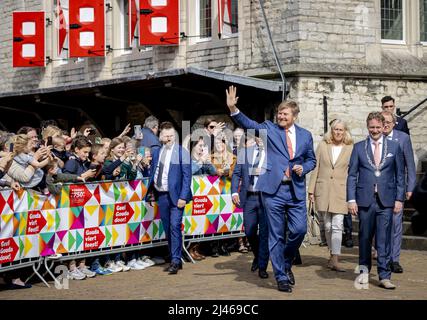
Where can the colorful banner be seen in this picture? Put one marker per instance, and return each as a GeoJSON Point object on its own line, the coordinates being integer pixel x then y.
{"type": "Point", "coordinates": [102, 215]}
{"type": "Point", "coordinates": [212, 210]}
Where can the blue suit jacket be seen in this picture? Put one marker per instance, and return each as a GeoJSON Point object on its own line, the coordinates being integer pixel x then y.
{"type": "Point", "coordinates": [404, 141]}
{"type": "Point", "coordinates": [241, 174]}
{"type": "Point", "coordinates": [179, 176]}
{"type": "Point", "coordinates": [361, 178]}
{"type": "Point", "coordinates": [149, 139]}
{"type": "Point", "coordinates": [401, 125]}
{"type": "Point", "coordinates": [278, 156]}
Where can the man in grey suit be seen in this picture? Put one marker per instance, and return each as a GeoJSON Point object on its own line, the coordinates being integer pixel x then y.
{"type": "Point", "coordinates": [404, 141]}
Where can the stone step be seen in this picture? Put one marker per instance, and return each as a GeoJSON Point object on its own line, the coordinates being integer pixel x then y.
{"type": "Point", "coordinates": [408, 242]}
{"type": "Point", "coordinates": [406, 228]}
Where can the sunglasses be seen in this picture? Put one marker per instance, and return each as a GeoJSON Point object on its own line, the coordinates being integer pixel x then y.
{"type": "Point", "coordinates": [212, 127]}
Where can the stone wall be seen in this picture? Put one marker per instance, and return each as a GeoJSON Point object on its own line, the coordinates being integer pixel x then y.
{"type": "Point", "coordinates": [352, 99]}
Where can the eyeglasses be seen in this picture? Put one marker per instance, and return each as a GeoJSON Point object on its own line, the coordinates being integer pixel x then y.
{"type": "Point", "coordinates": [388, 122]}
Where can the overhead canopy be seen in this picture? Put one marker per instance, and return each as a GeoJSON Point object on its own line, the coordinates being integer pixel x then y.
{"type": "Point", "coordinates": [174, 95]}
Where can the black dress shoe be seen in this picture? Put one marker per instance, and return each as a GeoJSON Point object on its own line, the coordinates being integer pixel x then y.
{"type": "Point", "coordinates": [262, 274]}
{"type": "Point", "coordinates": [174, 267]}
{"type": "Point", "coordinates": [223, 251]}
{"type": "Point", "coordinates": [396, 267]}
{"type": "Point", "coordinates": [14, 286]}
{"type": "Point", "coordinates": [284, 286]}
{"type": "Point", "coordinates": [254, 266]}
{"type": "Point", "coordinates": [291, 277]}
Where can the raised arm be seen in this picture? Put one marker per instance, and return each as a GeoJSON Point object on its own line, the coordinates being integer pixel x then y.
{"type": "Point", "coordinates": [241, 119]}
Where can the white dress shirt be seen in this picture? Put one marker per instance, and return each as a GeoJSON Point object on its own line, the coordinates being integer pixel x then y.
{"type": "Point", "coordinates": [166, 167]}
{"type": "Point", "coordinates": [336, 151]}
{"type": "Point", "coordinates": [253, 188]}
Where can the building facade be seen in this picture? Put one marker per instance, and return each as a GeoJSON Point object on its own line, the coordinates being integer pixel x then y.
{"type": "Point", "coordinates": [349, 53]}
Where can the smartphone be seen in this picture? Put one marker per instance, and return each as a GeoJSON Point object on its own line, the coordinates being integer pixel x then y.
{"type": "Point", "coordinates": [137, 131]}
{"type": "Point", "coordinates": [141, 151]}
{"type": "Point", "coordinates": [49, 141]}
{"type": "Point", "coordinates": [11, 147]}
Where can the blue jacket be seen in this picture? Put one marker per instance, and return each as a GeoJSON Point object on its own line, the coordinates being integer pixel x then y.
{"type": "Point", "coordinates": [404, 141]}
{"type": "Point", "coordinates": [150, 140]}
{"type": "Point", "coordinates": [75, 166]}
{"type": "Point", "coordinates": [361, 176]}
{"type": "Point", "coordinates": [278, 155]}
{"type": "Point", "coordinates": [179, 177]}
{"type": "Point", "coordinates": [241, 174]}
{"type": "Point", "coordinates": [401, 125]}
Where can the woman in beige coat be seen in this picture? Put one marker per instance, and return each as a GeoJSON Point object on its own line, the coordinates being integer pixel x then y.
{"type": "Point", "coordinates": [327, 187]}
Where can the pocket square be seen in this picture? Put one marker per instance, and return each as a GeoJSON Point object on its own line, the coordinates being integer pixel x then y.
{"type": "Point", "coordinates": [389, 155]}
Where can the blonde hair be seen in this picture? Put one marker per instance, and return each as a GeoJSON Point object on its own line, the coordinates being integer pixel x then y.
{"type": "Point", "coordinates": [51, 131]}
{"type": "Point", "coordinates": [58, 140]}
{"type": "Point", "coordinates": [20, 142]}
{"type": "Point", "coordinates": [347, 136]}
{"type": "Point", "coordinates": [289, 104]}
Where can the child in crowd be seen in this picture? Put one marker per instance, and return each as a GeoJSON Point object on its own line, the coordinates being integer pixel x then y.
{"type": "Point", "coordinates": [97, 158]}
{"type": "Point", "coordinates": [55, 179]}
{"type": "Point", "coordinates": [59, 150]}
{"type": "Point", "coordinates": [119, 152]}
{"type": "Point", "coordinates": [79, 160]}
{"type": "Point", "coordinates": [22, 160]}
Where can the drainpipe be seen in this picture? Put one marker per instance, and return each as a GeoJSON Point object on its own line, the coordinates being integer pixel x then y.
{"type": "Point", "coordinates": [325, 115]}
{"type": "Point", "coordinates": [261, 2]}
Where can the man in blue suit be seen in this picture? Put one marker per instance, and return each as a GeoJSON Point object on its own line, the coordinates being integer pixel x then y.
{"type": "Point", "coordinates": [375, 189]}
{"type": "Point", "coordinates": [171, 178]}
{"type": "Point", "coordinates": [149, 134]}
{"type": "Point", "coordinates": [290, 157]}
{"type": "Point", "coordinates": [245, 195]}
{"type": "Point", "coordinates": [405, 144]}
{"type": "Point", "coordinates": [387, 104]}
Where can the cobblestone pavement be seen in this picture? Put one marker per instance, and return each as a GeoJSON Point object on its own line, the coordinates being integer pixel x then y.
{"type": "Point", "coordinates": [231, 278]}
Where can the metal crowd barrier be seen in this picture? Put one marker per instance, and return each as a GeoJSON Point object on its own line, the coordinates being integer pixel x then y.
{"type": "Point", "coordinates": [48, 261]}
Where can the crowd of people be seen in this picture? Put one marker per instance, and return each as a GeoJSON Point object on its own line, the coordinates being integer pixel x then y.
{"type": "Point", "coordinates": [267, 164]}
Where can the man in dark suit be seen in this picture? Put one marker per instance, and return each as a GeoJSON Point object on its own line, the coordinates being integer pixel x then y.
{"type": "Point", "coordinates": [171, 178]}
{"type": "Point", "coordinates": [375, 189]}
{"type": "Point", "coordinates": [149, 133]}
{"type": "Point", "coordinates": [245, 195]}
{"type": "Point", "coordinates": [290, 157]}
{"type": "Point", "coordinates": [405, 144]}
{"type": "Point", "coordinates": [387, 104]}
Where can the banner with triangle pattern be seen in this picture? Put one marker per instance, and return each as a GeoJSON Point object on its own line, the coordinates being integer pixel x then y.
{"type": "Point", "coordinates": [212, 210]}
{"type": "Point", "coordinates": [107, 214]}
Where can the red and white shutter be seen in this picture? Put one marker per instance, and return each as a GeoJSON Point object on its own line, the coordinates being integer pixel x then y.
{"type": "Point", "coordinates": [62, 27]}
{"type": "Point", "coordinates": [29, 39]}
{"type": "Point", "coordinates": [224, 18]}
{"type": "Point", "coordinates": [158, 22]}
{"type": "Point", "coordinates": [87, 28]}
{"type": "Point", "coordinates": [133, 21]}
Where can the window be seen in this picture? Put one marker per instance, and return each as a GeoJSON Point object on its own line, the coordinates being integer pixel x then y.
{"type": "Point", "coordinates": [205, 18]}
{"type": "Point", "coordinates": [423, 20]}
{"type": "Point", "coordinates": [227, 10]}
{"type": "Point", "coordinates": [392, 20]}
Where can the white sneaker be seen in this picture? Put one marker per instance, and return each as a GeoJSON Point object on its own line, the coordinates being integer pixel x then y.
{"type": "Point", "coordinates": [148, 261]}
{"type": "Point", "coordinates": [85, 270]}
{"type": "Point", "coordinates": [76, 274]}
{"type": "Point", "coordinates": [158, 260]}
{"type": "Point", "coordinates": [111, 266]}
{"type": "Point", "coordinates": [134, 265]}
{"type": "Point", "coordinates": [122, 264]}
{"type": "Point", "coordinates": [143, 263]}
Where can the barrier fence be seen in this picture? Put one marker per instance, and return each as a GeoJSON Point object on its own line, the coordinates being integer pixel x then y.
{"type": "Point", "coordinates": [106, 217]}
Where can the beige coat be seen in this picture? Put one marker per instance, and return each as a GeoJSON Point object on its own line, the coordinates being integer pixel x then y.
{"type": "Point", "coordinates": [328, 181]}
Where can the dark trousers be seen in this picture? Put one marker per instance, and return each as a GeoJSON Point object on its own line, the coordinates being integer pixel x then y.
{"type": "Point", "coordinates": [254, 217]}
{"type": "Point", "coordinates": [171, 217]}
{"type": "Point", "coordinates": [348, 225]}
{"type": "Point", "coordinates": [284, 208]}
{"type": "Point", "coordinates": [376, 220]}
